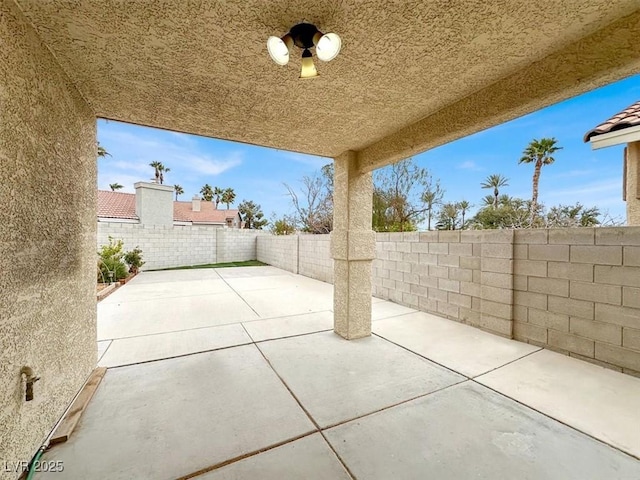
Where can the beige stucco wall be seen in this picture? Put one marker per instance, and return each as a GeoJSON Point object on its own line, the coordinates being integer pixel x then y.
{"type": "Point", "coordinates": [632, 176]}
{"type": "Point", "coordinates": [47, 237]}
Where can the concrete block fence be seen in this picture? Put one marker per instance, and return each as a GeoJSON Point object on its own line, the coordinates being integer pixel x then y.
{"type": "Point", "coordinates": [578, 291]}
{"type": "Point", "coordinates": [575, 291]}
{"type": "Point", "coordinates": [465, 276]}
{"type": "Point", "coordinates": [176, 246]}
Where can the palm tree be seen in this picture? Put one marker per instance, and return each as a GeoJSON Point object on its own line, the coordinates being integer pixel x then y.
{"type": "Point", "coordinates": [179, 191]}
{"type": "Point", "coordinates": [539, 153]}
{"type": "Point", "coordinates": [207, 192]}
{"type": "Point", "coordinates": [115, 186]}
{"type": "Point", "coordinates": [102, 152]}
{"type": "Point", "coordinates": [228, 196]}
{"type": "Point", "coordinates": [488, 200]}
{"type": "Point", "coordinates": [252, 214]}
{"type": "Point", "coordinates": [160, 170]}
{"type": "Point", "coordinates": [464, 207]}
{"type": "Point", "coordinates": [217, 193]}
{"type": "Point", "coordinates": [432, 197]}
{"type": "Point", "coordinates": [448, 216]}
{"type": "Point", "coordinates": [495, 181]}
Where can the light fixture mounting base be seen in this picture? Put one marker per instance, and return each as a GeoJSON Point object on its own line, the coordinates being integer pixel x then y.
{"type": "Point", "coordinates": [303, 35]}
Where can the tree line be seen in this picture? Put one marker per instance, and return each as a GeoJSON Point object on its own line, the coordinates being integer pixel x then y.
{"type": "Point", "coordinates": [406, 197]}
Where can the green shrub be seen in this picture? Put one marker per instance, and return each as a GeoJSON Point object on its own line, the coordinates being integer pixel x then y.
{"type": "Point", "coordinates": [111, 266]}
{"type": "Point", "coordinates": [133, 258]}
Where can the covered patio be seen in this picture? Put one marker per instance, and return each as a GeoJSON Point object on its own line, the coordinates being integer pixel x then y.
{"type": "Point", "coordinates": [411, 76]}
{"type": "Point", "coordinates": [236, 373]}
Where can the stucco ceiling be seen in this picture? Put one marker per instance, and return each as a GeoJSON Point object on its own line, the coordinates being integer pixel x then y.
{"type": "Point", "coordinates": [407, 68]}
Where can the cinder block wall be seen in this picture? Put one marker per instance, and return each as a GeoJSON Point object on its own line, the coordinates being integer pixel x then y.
{"type": "Point", "coordinates": [314, 257]}
{"type": "Point", "coordinates": [234, 245]}
{"type": "Point", "coordinates": [164, 246]}
{"type": "Point", "coordinates": [465, 276]}
{"type": "Point", "coordinates": [578, 292]}
{"type": "Point", "coordinates": [279, 251]}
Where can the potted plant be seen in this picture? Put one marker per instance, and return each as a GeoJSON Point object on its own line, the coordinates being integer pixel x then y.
{"type": "Point", "coordinates": [133, 258]}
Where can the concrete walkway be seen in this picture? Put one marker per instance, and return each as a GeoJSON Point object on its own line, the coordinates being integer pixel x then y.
{"type": "Point", "coordinates": [236, 374]}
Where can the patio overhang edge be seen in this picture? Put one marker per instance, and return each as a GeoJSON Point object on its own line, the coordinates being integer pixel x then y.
{"type": "Point", "coordinates": [610, 54]}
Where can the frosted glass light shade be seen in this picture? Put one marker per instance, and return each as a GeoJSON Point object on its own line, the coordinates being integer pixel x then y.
{"type": "Point", "coordinates": [328, 47]}
{"type": "Point", "coordinates": [278, 50]}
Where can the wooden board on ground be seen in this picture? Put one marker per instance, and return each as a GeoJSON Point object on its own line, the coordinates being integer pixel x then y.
{"type": "Point", "coordinates": [71, 419]}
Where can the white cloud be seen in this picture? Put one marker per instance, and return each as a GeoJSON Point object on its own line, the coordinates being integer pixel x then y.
{"type": "Point", "coordinates": [129, 166]}
{"type": "Point", "coordinates": [603, 186]}
{"type": "Point", "coordinates": [125, 180]}
{"type": "Point", "coordinates": [469, 165]}
{"type": "Point", "coordinates": [133, 151]}
{"type": "Point", "coordinates": [209, 166]}
{"type": "Point", "coordinates": [604, 194]}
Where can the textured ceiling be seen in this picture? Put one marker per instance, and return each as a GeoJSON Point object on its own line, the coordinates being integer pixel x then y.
{"type": "Point", "coordinates": [202, 66]}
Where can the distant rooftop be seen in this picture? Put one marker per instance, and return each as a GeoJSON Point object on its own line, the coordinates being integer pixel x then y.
{"type": "Point", "coordinates": [629, 117]}
{"type": "Point", "coordinates": [123, 206]}
{"type": "Point", "coordinates": [116, 205]}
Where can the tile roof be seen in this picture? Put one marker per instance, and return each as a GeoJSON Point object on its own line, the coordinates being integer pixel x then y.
{"type": "Point", "coordinates": [208, 213]}
{"type": "Point", "coordinates": [123, 206]}
{"type": "Point", "coordinates": [629, 117]}
{"type": "Point", "coordinates": [116, 205]}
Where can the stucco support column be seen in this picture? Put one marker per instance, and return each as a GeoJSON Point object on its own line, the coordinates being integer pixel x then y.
{"type": "Point", "coordinates": [47, 238]}
{"type": "Point", "coordinates": [352, 248]}
{"type": "Point", "coordinates": [632, 183]}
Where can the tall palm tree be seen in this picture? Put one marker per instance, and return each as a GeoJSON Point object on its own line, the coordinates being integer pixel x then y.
{"type": "Point", "coordinates": [179, 191]}
{"type": "Point", "coordinates": [160, 170]}
{"type": "Point", "coordinates": [538, 152]}
{"type": "Point", "coordinates": [115, 186]}
{"type": "Point", "coordinates": [102, 152]}
{"type": "Point", "coordinates": [217, 193]}
{"type": "Point", "coordinates": [431, 197]}
{"type": "Point", "coordinates": [228, 196]}
{"type": "Point", "coordinates": [207, 192]}
{"type": "Point", "coordinates": [464, 207]}
{"type": "Point", "coordinates": [495, 181]}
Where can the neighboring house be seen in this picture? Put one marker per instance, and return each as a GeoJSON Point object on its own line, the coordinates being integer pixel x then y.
{"type": "Point", "coordinates": [623, 128]}
{"type": "Point", "coordinates": [153, 204]}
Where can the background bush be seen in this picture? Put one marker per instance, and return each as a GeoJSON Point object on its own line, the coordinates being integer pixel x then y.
{"type": "Point", "coordinates": [111, 260]}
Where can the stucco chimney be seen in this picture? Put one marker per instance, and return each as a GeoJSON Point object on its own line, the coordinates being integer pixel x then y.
{"type": "Point", "coordinates": [195, 203]}
{"type": "Point", "coordinates": [154, 203]}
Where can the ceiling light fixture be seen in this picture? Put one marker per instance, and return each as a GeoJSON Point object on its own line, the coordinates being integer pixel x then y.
{"type": "Point", "coordinates": [305, 36]}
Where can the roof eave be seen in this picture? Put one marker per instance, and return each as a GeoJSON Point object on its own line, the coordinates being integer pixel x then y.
{"type": "Point", "coordinates": [617, 137]}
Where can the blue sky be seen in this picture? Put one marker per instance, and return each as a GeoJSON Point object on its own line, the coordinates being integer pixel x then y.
{"type": "Point", "coordinates": [593, 178]}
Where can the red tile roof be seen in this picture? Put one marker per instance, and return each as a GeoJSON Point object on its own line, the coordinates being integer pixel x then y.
{"type": "Point", "coordinates": [182, 212]}
{"type": "Point", "coordinates": [123, 206]}
{"type": "Point", "coordinates": [116, 205]}
{"type": "Point", "coordinates": [629, 117]}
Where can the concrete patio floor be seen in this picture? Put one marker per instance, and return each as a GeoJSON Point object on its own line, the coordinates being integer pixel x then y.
{"type": "Point", "coordinates": [236, 374]}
